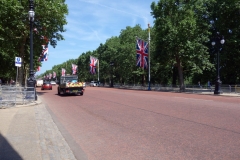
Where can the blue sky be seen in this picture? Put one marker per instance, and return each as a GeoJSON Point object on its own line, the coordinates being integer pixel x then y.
{"type": "Point", "coordinates": [91, 22]}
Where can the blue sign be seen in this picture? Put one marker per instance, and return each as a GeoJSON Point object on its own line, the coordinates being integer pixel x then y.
{"type": "Point", "coordinates": [18, 61]}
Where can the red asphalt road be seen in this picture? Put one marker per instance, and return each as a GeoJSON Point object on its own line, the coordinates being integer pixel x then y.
{"type": "Point", "coordinates": [117, 124]}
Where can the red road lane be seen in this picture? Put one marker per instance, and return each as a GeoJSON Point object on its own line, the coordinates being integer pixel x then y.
{"type": "Point", "coordinates": [117, 124]}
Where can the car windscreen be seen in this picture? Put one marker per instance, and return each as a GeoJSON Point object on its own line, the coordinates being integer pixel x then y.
{"type": "Point", "coordinates": [69, 79]}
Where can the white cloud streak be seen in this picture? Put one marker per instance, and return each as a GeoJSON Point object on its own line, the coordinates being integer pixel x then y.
{"type": "Point", "coordinates": [91, 22]}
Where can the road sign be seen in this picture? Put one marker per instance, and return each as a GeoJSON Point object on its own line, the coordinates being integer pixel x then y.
{"type": "Point", "coordinates": [18, 61]}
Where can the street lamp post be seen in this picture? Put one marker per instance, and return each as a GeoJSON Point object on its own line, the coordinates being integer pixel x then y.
{"type": "Point", "coordinates": [217, 42]}
{"type": "Point", "coordinates": [31, 79]}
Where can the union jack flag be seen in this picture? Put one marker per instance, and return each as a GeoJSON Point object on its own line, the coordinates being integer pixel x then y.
{"type": "Point", "coordinates": [44, 49]}
{"type": "Point", "coordinates": [142, 53]}
{"type": "Point", "coordinates": [74, 68]}
{"type": "Point", "coordinates": [93, 62]}
{"type": "Point", "coordinates": [54, 74]}
{"type": "Point", "coordinates": [44, 58]}
{"type": "Point", "coordinates": [38, 69]}
{"type": "Point", "coordinates": [44, 54]}
{"type": "Point", "coordinates": [50, 75]}
{"type": "Point", "coordinates": [45, 39]}
{"type": "Point", "coordinates": [35, 30]}
{"type": "Point", "coordinates": [63, 72]}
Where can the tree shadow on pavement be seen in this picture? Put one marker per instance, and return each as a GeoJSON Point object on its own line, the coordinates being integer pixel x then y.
{"type": "Point", "coordinates": [7, 152]}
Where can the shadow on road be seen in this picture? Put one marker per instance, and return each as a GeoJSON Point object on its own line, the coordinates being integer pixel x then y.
{"type": "Point", "coordinates": [41, 93]}
{"type": "Point", "coordinates": [7, 152]}
{"type": "Point", "coordinates": [67, 95]}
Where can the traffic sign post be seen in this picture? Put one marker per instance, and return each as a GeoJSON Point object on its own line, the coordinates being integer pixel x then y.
{"type": "Point", "coordinates": [18, 63]}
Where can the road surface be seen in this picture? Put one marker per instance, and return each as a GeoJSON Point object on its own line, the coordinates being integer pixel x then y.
{"type": "Point", "coordinates": [118, 124]}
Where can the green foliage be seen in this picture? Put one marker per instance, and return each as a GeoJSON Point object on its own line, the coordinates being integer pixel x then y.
{"type": "Point", "coordinates": [181, 33]}
{"type": "Point", "coordinates": [14, 31]}
{"type": "Point", "coordinates": [180, 47]}
{"type": "Point", "coordinates": [225, 17]}
{"type": "Point", "coordinates": [10, 32]}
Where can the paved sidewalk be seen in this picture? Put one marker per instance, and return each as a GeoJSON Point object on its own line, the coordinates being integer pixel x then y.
{"type": "Point", "coordinates": [222, 94]}
{"type": "Point", "coordinates": [29, 133]}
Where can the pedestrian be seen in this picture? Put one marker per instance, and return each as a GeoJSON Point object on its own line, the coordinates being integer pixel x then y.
{"type": "Point", "coordinates": [199, 84]}
{"type": "Point", "coordinates": [209, 85]}
{"type": "Point", "coordinates": [0, 82]}
{"type": "Point", "coordinates": [12, 82]}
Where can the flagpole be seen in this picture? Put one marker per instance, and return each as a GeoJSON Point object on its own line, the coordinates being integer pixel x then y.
{"type": "Point", "coordinates": [98, 70]}
{"type": "Point", "coordinates": [149, 77]}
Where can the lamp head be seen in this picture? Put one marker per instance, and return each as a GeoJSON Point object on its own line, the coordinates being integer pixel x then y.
{"type": "Point", "coordinates": [31, 15]}
{"type": "Point", "coordinates": [222, 40]}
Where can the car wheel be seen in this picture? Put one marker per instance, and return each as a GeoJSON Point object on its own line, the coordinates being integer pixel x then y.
{"type": "Point", "coordinates": [64, 92]}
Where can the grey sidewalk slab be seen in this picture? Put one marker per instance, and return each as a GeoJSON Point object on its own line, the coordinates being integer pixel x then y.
{"type": "Point", "coordinates": [222, 94]}
{"type": "Point", "coordinates": [19, 134]}
{"type": "Point", "coordinates": [28, 132]}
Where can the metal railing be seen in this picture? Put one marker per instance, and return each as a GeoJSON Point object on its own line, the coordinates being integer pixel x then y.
{"type": "Point", "coordinates": [231, 89]}
{"type": "Point", "coordinates": [234, 89]}
{"type": "Point", "coordinates": [11, 95]}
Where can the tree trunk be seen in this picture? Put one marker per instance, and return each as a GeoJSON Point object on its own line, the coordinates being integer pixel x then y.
{"type": "Point", "coordinates": [121, 81]}
{"type": "Point", "coordinates": [180, 74]}
{"type": "Point", "coordinates": [25, 77]}
{"type": "Point", "coordinates": [21, 77]}
{"type": "Point", "coordinates": [174, 76]}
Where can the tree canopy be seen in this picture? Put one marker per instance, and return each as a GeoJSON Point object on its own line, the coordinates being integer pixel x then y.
{"type": "Point", "coordinates": [50, 18]}
{"type": "Point", "coordinates": [181, 36]}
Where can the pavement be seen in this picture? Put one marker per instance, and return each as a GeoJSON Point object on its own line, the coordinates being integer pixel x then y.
{"type": "Point", "coordinates": [28, 132]}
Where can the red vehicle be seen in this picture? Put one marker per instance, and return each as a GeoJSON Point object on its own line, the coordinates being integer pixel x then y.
{"type": "Point", "coordinates": [46, 85]}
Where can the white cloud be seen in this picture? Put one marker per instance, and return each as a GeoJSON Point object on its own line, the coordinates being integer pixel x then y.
{"type": "Point", "coordinates": [91, 22]}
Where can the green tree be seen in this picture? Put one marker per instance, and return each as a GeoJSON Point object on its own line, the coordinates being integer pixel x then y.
{"type": "Point", "coordinates": [106, 54]}
{"type": "Point", "coordinates": [103, 62]}
{"type": "Point", "coordinates": [181, 34]}
{"type": "Point", "coordinates": [14, 31]}
{"type": "Point", "coordinates": [127, 54]}
{"type": "Point", "coordinates": [225, 20]}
